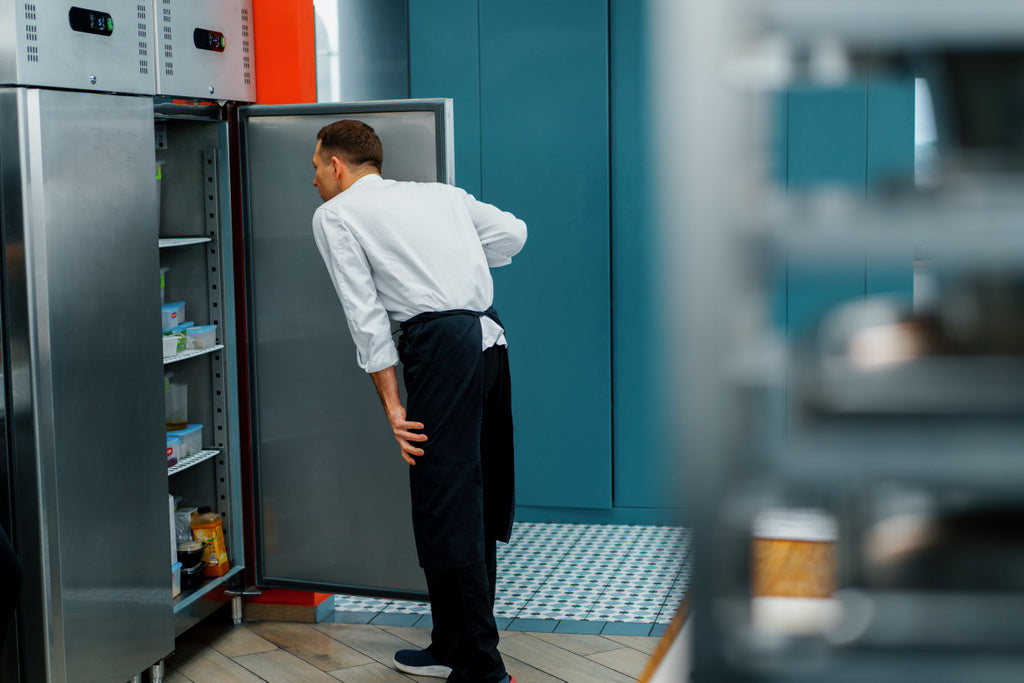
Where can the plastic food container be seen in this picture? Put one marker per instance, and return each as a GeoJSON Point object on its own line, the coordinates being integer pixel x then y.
{"type": "Point", "coordinates": [191, 439]}
{"type": "Point", "coordinates": [209, 529]}
{"type": "Point", "coordinates": [175, 579]}
{"type": "Point", "coordinates": [176, 408]}
{"type": "Point", "coordinates": [175, 342]}
{"type": "Point", "coordinates": [183, 523]}
{"type": "Point", "coordinates": [201, 336]}
{"type": "Point", "coordinates": [170, 344]}
{"type": "Point", "coordinates": [174, 451]}
{"type": "Point", "coordinates": [172, 315]}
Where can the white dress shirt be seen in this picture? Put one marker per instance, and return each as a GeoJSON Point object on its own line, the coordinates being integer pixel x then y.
{"type": "Point", "coordinates": [396, 249]}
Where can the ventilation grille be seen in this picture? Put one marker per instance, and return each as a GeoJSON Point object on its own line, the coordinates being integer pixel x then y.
{"type": "Point", "coordinates": [31, 33]}
{"type": "Point", "coordinates": [246, 60]}
{"type": "Point", "coordinates": [168, 38]}
{"type": "Point", "coordinates": [143, 39]}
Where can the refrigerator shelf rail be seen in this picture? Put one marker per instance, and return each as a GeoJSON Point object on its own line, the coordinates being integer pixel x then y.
{"type": "Point", "coordinates": [185, 600]}
{"type": "Point", "coordinates": [192, 460]}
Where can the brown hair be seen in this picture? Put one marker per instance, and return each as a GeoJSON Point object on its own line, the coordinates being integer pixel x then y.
{"type": "Point", "coordinates": [353, 142]}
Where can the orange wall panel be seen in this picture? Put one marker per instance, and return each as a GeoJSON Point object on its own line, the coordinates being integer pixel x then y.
{"type": "Point", "coordinates": [285, 48]}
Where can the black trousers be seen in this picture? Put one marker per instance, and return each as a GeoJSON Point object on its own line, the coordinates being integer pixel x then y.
{"type": "Point", "coordinates": [465, 636]}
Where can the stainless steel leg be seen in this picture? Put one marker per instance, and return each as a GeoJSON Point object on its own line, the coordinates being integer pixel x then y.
{"type": "Point", "coordinates": [236, 610]}
{"type": "Point", "coordinates": [137, 678]}
{"type": "Point", "coordinates": [156, 672]}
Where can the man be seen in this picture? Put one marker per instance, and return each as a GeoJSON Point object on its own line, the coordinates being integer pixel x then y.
{"type": "Point", "coordinates": [419, 253]}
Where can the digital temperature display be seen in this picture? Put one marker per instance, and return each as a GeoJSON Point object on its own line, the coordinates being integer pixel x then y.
{"type": "Point", "coordinates": [90, 21]}
{"type": "Point", "coordinates": [209, 40]}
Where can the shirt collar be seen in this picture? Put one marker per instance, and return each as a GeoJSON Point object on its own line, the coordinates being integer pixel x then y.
{"type": "Point", "coordinates": [366, 180]}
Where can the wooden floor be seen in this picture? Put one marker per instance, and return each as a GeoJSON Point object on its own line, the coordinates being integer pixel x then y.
{"type": "Point", "coordinates": [285, 652]}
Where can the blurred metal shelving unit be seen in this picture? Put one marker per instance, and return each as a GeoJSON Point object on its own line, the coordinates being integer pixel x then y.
{"type": "Point", "coordinates": [906, 431]}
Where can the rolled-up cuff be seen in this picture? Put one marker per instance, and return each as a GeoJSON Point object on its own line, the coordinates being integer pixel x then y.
{"type": "Point", "coordinates": [381, 360]}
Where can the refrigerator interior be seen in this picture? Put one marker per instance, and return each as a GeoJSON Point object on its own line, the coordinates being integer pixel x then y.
{"type": "Point", "coordinates": [195, 259]}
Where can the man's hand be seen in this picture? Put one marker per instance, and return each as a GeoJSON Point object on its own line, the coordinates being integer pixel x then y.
{"type": "Point", "coordinates": [404, 433]}
{"type": "Point", "coordinates": [386, 382]}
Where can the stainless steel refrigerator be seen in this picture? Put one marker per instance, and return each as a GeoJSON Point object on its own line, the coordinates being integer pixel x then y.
{"type": "Point", "coordinates": [296, 449]}
{"type": "Point", "coordinates": [83, 224]}
{"type": "Point", "coordinates": [85, 500]}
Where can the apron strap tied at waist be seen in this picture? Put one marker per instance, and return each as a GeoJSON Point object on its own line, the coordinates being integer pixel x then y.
{"type": "Point", "coordinates": [428, 316]}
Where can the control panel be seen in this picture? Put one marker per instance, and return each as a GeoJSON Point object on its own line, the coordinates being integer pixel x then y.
{"type": "Point", "coordinates": [205, 50]}
{"type": "Point", "coordinates": [105, 45]}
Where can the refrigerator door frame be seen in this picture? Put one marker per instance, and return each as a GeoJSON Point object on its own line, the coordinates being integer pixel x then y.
{"type": "Point", "coordinates": [442, 109]}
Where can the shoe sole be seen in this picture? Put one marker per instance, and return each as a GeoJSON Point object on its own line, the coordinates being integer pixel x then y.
{"type": "Point", "coordinates": [436, 671]}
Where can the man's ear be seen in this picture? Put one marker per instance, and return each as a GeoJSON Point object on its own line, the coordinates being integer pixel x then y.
{"type": "Point", "coordinates": [337, 165]}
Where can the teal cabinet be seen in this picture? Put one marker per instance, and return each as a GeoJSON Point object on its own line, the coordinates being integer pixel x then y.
{"type": "Point", "coordinates": [531, 113]}
{"type": "Point", "coordinates": [646, 467]}
{"type": "Point", "coordinates": [544, 155]}
{"type": "Point", "coordinates": [859, 137]}
{"type": "Point", "coordinates": [444, 61]}
{"type": "Point", "coordinates": [890, 161]}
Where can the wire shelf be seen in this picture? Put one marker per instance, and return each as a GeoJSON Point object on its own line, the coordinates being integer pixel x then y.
{"type": "Point", "coordinates": [166, 242]}
{"type": "Point", "coordinates": [192, 460]}
{"type": "Point", "coordinates": [191, 353]}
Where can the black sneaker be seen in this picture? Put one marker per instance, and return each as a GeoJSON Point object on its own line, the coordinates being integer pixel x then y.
{"type": "Point", "coordinates": [420, 663]}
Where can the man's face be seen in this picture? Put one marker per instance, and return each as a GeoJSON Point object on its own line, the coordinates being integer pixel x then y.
{"type": "Point", "coordinates": [324, 180]}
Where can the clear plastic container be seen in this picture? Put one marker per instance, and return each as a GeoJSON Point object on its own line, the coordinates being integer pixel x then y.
{"type": "Point", "coordinates": [175, 406]}
{"type": "Point", "coordinates": [174, 342]}
{"type": "Point", "coordinates": [174, 450]}
{"type": "Point", "coordinates": [171, 344]}
{"type": "Point", "coordinates": [201, 336]}
{"type": "Point", "coordinates": [191, 438]}
{"type": "Point", "coordinates": [172, 315]}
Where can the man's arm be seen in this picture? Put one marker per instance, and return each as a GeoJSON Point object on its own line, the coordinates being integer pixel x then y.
{"type": "Point", "coordinates": [386, 382]}
{"type": "Point", "coordinates": [501, 234]}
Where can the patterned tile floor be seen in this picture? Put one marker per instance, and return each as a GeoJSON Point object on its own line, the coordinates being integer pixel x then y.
{"type": "Point", "coordinates": [569, 578]}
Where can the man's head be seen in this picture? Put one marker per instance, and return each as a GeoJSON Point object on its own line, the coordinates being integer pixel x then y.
{"type": "Point", "coordinates": [345, 152]}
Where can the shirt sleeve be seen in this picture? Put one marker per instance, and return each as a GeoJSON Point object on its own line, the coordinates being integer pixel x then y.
{"type": "Point", "coordinates": [353, 281]}
{"type": "Point", "coordinates": [501, 234]}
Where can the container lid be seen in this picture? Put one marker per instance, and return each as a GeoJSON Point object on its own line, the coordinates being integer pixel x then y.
{"type": "Point", "coordinates": [189, 429]}
{"type": "Point", "coordinates": [172, 305]}
{"type": "Point", "coordinates": [179, 328]}
{"type": "Point", "coordinates": [201, 328]}
{"type": "Point", "coordinates": [190, 546]}
{"type": "Point", "coordinates": [176, 566]}
{"type": "Point", "coordinates": [172, 439]}
{"type": "Point", "coordinates": [206, 519]}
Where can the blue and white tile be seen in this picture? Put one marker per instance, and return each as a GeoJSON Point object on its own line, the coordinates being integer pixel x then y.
{"type": "Point", "coordinates": [358, 603]}
{"type": "Point", "coordinates": [576, 574]}
{"type": "Point", "coordinates": [409, 607]}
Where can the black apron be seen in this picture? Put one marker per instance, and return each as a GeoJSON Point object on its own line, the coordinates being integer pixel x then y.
{"type": "Point", "coordinates": [461, 493]}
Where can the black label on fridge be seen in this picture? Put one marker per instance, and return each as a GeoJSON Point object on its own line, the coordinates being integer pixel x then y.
{"type": "Point", "coordinates": [90, 21]}
{"type": "Point", "coordinates": [209, 40]}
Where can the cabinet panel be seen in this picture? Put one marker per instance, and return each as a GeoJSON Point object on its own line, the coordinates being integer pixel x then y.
{"type": "Point", "coordinates": [890, 138]}
{"type": "Point", "coordinates": [827, 143]}
{"type": "Point", "coordinates": [827, 137]}
{"type": "Point", "coordinates": [444, 61]}
{"type": "Point", "coordinates": [545, 157]}
{"type": "Point", "coordinates": [645, 466]}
